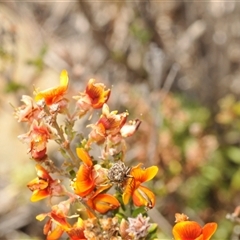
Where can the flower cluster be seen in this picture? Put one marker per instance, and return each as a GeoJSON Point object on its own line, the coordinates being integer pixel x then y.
{"type": "Point", "coordinates": [101, 197]}
{"type": "Point", "coordinates": [104, 197]}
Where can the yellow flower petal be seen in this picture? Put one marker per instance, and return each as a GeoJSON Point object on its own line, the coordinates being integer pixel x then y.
{"type": "Point", "coordinates": [129, 189]}
{"type": "Point", "coordinates": [142, 196]}
{"type": "Point", "coordinates": [64, 78]}
{"type": "Point", "coordinates": [41, 216]}
{"type": "Point", "coordinates": [53, 95]}
{"type": "Point", "coordinates": [144, 175]}
{"type": "Point", "coordinates": [55, 234]}
{"type": "Point", "coordinates": [37, 184]}
{"type": "Point", "coordinates": [84, 156]}
{"type": "Point", "coordinates": [150, 173]}
{"type": "Point", "coordinates": [39, 195]}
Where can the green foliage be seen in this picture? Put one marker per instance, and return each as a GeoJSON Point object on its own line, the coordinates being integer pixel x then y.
{"type": "Point", "coordinates": [152, 232]}
{"type": "Point", "coordinates": [68, 129]}
{"type": "Point", "coordinates": [140, 31]}
{"type": "Point", "coordinates": [224, 228]}
{"type": "Point", "coordinates": [13, 87]}
{"type": "Point", "coordinates": [233, 153]}
{"type": "Point", "coordinates": [138, 211]}
{"type": "Point", "coordinates": [235, 181]}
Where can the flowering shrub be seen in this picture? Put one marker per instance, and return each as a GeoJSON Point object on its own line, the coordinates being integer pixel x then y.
{"type": "Point", "coordinates": [101, 198]}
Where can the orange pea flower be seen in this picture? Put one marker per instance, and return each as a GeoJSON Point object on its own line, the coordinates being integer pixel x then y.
{"type": "Point", "coordinates": [44, 186]}
{"type": "Point", "coordinates": [57, 224]}
{"type": "Point", "coordinates": [37, 139]}
{"type": "Point", "coordinates": [57, 217]}
{"type": "Point", "coordinates": [109, 124]}
{"type": "Point", "coordinates": [89, 176]}
{"type": "Point", "coordinates": [97, 93]}
{"type": "Point", "coordinates": [77, 230]}
{"type": "Point", "coordinates": [142, 196]}
{"type": "Point", "coordinates": [94, 96]}
{"type": "Point", "coordinates": [54, 95]}
{"type": "Point", "coordinates": [102, 202]}
{"type": "Point", "coordinates": [28, 111]}
{"type": "Point", "coordinates": [191, 230]}
{"type": "Point", "coordinates": [85, 182]}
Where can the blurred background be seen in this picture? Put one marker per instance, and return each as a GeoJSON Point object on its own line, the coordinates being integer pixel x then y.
{"type": "Point", "coordinates": [175, 65]}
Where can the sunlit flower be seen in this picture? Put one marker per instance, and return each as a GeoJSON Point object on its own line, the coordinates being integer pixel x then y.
{"type": "Point", "coordinates": [84, 183]}
{"type": "Point", "coordinates": [109, 124]}
{"type": "Point", "coordinates": [54, 95]}
{"type": "Point", "coordinates": [76, 232]}
{"type": "Point", "coordinates": [28, 111]}
{"type": "Point", "coordinates": [97, 93]}
{"type": "Point", "coordinates": [94, 96]}
{"type": "Point", "coordinates": [142, 196]}
{"type": "Point", "coordinates": [57, 223]}
{"type": "Point", "coordinates": [88, 175]}
{"type": "Point", "coordinates": [44, 186]}
{"type": "Point", "coordinates": [102, 202]}
{"type": "Point", "coordinates": [37, 139]}
{"type": "Point", "coordinates": [191, 230]}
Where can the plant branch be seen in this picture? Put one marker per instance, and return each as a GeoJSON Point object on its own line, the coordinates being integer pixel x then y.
{"type": "Point", "coordinates": [64, 142]}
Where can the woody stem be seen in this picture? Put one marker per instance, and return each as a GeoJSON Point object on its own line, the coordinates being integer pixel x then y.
{"type": "Point", "coordinates": [65, 146]}
{"type": "Point", "coordinates": [64, 143]}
